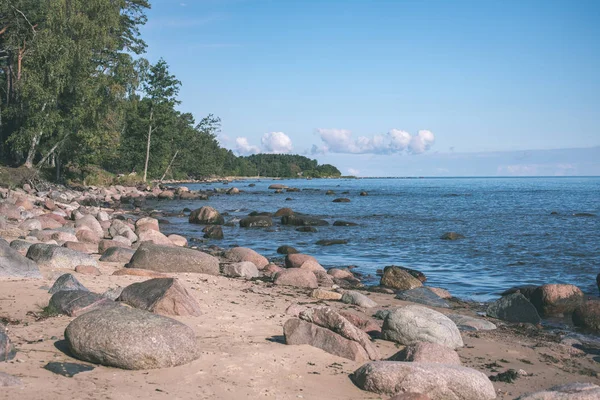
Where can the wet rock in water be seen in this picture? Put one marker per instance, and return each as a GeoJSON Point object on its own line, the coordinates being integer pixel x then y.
{"type": "Point", "coordinates": [292, 190]}
{"type": "Point", "coordinates": [465, 322]}
{"type": "Point", "coordinates": [425, 352]}
{"type": "Point", "coordinates": [363, 193]}
{"type": "Point", "coordinates": [412, 324]}
{"type": "Point", "coordinates": [239, 254]}
{"type": "Point", "coordinates": [77, 302]}
{"type": "Point", "coordinates": [514, 308]}
{"type": "Point", "coordinates": [7, 380]}
{"type": "Point", "coordinates": [322, 294]}
{"type": "Point", "coordinates": [67, 282]}
{"type": "Point", "coordinates": [584, 214]}
{"type": "Point", "coordinates": [398, 278]}
{"type": "Point", "coordinates": [252, 185]}
{"type": "Point", "coordinates": [302, 220]}
{"type": "Point", "coordinates": [213, 232]}
{"type": "Point", "coordinates": [296, 277]}
{"type": "Point", "coordinates": [206, 216]}
{"type": "Point", "coordinates": [14, 264]}
{"type": "Point", "coordinates": [413, 272]}
{"type": "Point", "coordinates": [245, 269]}
{"type": "Point", "coordinates": [232, 191]}
{"type": "Point", "coordinates": [570, 391]}
{"type": "Point", "coordinates": [7, 350]}
{"type": "Point", "coordinates": [277, 186]}
{"type": "Point", "coordinates": [359, 299]}
{"type": "Point", "coordinates": [344, 223]}
{"type": "Point", "coordinates": [296, 260]}
{"type": "Point", "coordinates": [286, 250]}
{"type": "Point", "coordinates": [422, 295]}
{"type": "Point", "coordinates": [587, 315]}
{"type": "Point", "coordinates": [525, 290]}
{"type": "Point", "coordinates": [452, 236]}
{"type": "Point", "coordinates": [129, 338]}
{"type": "Point", "coordinates": [117, 254]}
{"type": "Point", "coordinates": [556, 299]}
{"type": "Point", "coordinates": [173, 259]}
{"type": "Point", "coordinates": [331, 242]}
{"type": "Point", "coordinates": [164, 296]}
{"type": "Point", "coordinates": [307, 229]}
{"type": "Point", "coordinates": [67, 369]}
{"type": "Point", "coordinates": [166, 195]}
{"type": "Point", "coordinates": [58, 257]}
{"type": "Point", "coordinates": [438, 381]}
{"type": "Point", "coordinates": [282, 212]}
{"type": "Point", "coordinates": [330, 193]}
{"type": "Point", "coordinates": [256, 222]}
{"type": "Point", "coordinates": [341, 200]}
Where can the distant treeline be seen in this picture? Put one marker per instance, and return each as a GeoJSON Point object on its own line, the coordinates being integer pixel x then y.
{"type": "Point", "coordinates": [76, 94]}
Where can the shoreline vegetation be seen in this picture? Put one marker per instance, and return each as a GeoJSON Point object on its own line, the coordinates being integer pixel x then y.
{"type": "Point", "coordinates": [85, 268]}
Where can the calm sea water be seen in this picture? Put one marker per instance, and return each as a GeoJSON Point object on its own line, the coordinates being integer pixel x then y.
{"type": "Point", "coordinates": [512, 237]}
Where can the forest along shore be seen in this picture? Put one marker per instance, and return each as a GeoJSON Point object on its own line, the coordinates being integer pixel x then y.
{"type": "Point", "coordinates": [96, 300]}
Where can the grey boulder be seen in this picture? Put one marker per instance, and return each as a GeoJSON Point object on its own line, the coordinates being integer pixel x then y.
{"type": "Point", "coordinates": [14, 264]}
{"type": "Point", "coordinates": [244, 269]}
{"type": "Point", "coordinates": [165, 296]}
{"type": "Point", "coordinates": [58, 257]}
{"type": "Point", "coordinates": [173, 259]}
{"type": "Point", "coordinates": [514, 308]}
{"type": "Point", "coordinates": [67, 282]}
{"type": "Point", "coordinates": [422, 295]}
{"type": "Point", "coordinates": [132, 339]}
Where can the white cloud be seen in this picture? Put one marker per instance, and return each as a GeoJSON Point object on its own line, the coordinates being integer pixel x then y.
{"type": "Point", "coordinates": [244, 148]}
{"type": "Point", "coordinates": [276, 142]}
{"type": "Point", "coordinates": [353, 171]}
{"type": "Point", "coordinates": [395, 141]}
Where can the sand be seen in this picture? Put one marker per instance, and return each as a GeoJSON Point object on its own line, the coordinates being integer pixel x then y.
{"type": "Point", "coordinates": [242, 350]}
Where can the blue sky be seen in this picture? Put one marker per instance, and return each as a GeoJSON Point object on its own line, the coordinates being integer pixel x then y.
{"type": "Point", "coordinates": [393, 87]}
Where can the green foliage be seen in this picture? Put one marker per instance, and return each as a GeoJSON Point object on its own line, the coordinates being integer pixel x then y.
{"type": "Point", "coordinates": [76, 95]}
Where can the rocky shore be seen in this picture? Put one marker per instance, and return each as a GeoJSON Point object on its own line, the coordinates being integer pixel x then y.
{"type": "Point", "coordinates": [96, 302]}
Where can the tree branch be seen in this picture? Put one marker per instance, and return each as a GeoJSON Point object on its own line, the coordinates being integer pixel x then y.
{"type": "Point", "coordinates": [24, 16]}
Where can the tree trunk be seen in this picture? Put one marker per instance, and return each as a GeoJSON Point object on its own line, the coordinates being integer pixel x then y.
{"type": "Point", "coordinates": [148, 145]}
{"type": "Point", "coordinates": [169, 166]}
{"type": "Point", "coordinates": [35, 140]}
{"type": "Point", "coordinates": [43, 160]}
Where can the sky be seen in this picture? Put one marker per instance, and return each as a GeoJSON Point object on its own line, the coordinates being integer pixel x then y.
{"type": "Point", "coordinates": [393, 87]}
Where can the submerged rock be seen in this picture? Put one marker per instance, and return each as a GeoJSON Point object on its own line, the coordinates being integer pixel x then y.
{"type": "Point", "coordinates": [302, 220]}
{"type": "Point", "coordinates": [129, 338]}
{"type": "Point", "coordinates": [307, 229]}
{"type": "Point", "coordinates": [213, 232]}
{"type": "Point", "coordinates": [256, 222]}
{"type": "Point", "coordinates": [452, 236]}
{"type": "Point", "coordinates": [331, 242]}
{"type": "Point", "coordinates": [344, 223]}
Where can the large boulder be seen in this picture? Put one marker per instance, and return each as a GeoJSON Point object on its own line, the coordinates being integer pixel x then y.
{"type": "Point", "coordinates": [438, 381]}
{"type": "Point", "coordinates": [146, 223]}
{"type": "Point", "coordinates": [326, 317]}
{"type": "Point", "coordinates": [357, 298]}
{"type": "Point", "coordinates": [206, 216]}
{"type": "Point", "coordinates": [240, 254]}
{"type": "Point", "coordinates": [58, 257]}
{"type": "Point", "coordinates": [296, 277]}
{"type": "Point", "coordinates": [67, 282]}
{"type": "Point", "coordinates": [259, 221]}
{"type": "Point", "coordinates": [587, 315]}
{"type": "Point", "coordinates": [173, 259]}
{"type": "Point", "coordinates": [117, 254]}
{"type": "Point", "coordinates": [397, 278]}
{"type": "Point", "coordinates": [77, 302]}
{"type": "Point", "coordinates": [150, 235]}
{"type": "Point", "coordinates": [422, 295]}
{"type": "Point", "coordinates": [569, 391]}
{"type": "Point", "coordinates": [556, 299]}
{"type": "Point", "coordinates": [165, 296]}
{"type": "Point", "coordinates": [92, 223]}
{"type": "Point", "coordinates": [244, 269]}
{"type": "Point", "coordinates": [106, 244]}
{"type": "Point", "coordinates": [87, 236]}
{"type": "Point", "coordinates": [514, 308]}
{"type": "Point", "coordinates": [298, 332]}
{"type": "Point", "coordinates": [10, 211]}
{"type": "Point", "coordinates": [128, 338]}
{"type": "Point", "coordinates": [283, 212]}
{"type": "Point", "coordinates": [412, 324]}
{"type": "Point", "coordinates": [120, 228]}
{"type": "Point", "coordinates": [14, 264]}
{"type": "Point", "coordinates": [178, 240]}
{"type": "Point", "coordinates": [295, 260]}
{"type": "Point", "coordinates": [427, 353]}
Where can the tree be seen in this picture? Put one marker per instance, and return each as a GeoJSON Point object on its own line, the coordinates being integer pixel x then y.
{"type": "Point", "coordinates": [161, 89]}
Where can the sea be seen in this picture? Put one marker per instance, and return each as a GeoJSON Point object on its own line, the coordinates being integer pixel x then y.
{"type": "Point", "coordinates": [517, 231]}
